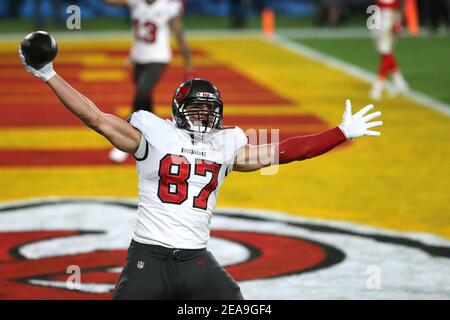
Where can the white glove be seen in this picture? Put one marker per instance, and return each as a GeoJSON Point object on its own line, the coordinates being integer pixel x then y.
{"type": "Point", "coordinates": [45, 73]}
{"type": "Point", "coordinates": [356, 125]}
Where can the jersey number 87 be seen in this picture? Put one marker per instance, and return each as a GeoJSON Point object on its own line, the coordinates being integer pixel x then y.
{"type": "Point", "coordinates": [174, 172]}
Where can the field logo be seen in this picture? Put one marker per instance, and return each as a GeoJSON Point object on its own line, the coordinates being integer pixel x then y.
{"type": "Point", "coordinates": [76, 248]}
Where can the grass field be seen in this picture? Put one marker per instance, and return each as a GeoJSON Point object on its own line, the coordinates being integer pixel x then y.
{"type": "Point", "coordinates": [424, 61]}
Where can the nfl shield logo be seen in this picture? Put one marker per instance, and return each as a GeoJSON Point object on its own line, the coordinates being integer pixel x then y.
{"type": "Point", "coordinates": [140, 264]}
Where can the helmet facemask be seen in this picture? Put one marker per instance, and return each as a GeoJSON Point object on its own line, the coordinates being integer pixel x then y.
{"type": "Point", "coordinates": [202, 116]}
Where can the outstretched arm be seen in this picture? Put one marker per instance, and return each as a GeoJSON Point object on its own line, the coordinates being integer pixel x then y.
{"type": "Point", "coordinates": [176, 25]}
{"type": "Point", "coordinates": [252, 158]}
{"type": "Point", "coordinates": [119, 132]}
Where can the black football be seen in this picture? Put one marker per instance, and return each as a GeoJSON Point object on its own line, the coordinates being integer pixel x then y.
{"type": "Point", "coordinates": [39, 48]}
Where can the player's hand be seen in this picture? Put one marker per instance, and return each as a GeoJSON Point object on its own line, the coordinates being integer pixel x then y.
{"type": "Point", "coordinates": [45, 73]}
{"type": "Point", "coordinates": [397, 28]}
{"type": "Point", "coordinates": [356, 125]}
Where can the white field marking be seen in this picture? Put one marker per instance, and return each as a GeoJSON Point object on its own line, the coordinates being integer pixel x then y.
{"type": "Point", "coordinates": [106, 36]}
{"type": "Point", "coordinates": [84, 287]}
{"type": "Point", "coordinates": [273, 215]}
{"type": "Point", "coordinates": [365, 229]}
{"type": "Point", "coordinates": [300, 33]}
{"type": "Point", "coordinates": [341, 33]}
{"type": "Point", "coordinates": [355, 71]}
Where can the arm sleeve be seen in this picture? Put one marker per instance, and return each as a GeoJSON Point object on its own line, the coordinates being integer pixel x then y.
{"type": "Point", "coordinates": [175, 9]}
{"type": "Point", "coordinates": [136, 119]}
{"type": "Point", "coordinates": [142, 151]}
{"type": "Point", "coordinates": [240, 140]}
{"type": "Point", "coordinates": [131, 3]}
{"type": "Point", "coordinates": [306, 147]}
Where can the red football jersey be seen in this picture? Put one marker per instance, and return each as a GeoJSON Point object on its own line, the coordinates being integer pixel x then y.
{"type": "Point", "coordinates": [388, 4]}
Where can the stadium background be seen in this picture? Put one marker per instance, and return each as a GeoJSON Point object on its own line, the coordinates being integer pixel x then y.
{"type": "Point", "coordinates": [296, 82]}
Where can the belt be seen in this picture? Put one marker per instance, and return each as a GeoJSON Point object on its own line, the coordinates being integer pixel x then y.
{"type": "Point", "coordinates": [170, 253]}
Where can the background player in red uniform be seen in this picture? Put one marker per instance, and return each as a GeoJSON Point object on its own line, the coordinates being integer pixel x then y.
{"type": "Point", "coordinates": [384, 36]}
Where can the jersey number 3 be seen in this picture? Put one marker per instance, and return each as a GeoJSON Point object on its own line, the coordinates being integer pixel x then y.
{"type": "Point", "coordinates": [174, 172]}
{"type": "Point", "coordinates": [145, 31]}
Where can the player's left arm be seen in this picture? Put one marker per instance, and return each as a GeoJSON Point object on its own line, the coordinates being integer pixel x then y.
{"type": "Point", "coordinates": [251, 158]}
{"type": "Point", "coordinates": [397, 26]}
{"type": "Point", "coordinates": [177, 28]}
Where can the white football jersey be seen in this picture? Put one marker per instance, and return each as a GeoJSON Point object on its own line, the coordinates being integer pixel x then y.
{"type": "Point", "coordinates": [388, 4]}
{"type": "Point", "coordinates": [179, 180]}
{"type": "Point", "coordinates": [151, 29]}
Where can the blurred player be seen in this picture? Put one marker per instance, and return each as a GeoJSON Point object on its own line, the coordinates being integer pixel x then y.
{"type": "Point", "coordinates": [152, 22]}
{"type": "Point", "coordinates": [384, 36]}
{"type": "Point", "coordinates": [181, 166]}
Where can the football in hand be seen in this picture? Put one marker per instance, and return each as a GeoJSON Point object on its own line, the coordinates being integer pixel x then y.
{"type": "Point", "coordinates": [39, 48]}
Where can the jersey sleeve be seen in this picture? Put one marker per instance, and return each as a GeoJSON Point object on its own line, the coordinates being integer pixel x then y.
{"type": "Point", "coordinates": [175, 8]}
{"type": "Point", "coordinates": [131, 3]}
{"type": "Point", "coordinates": [239, 140]}
{"type": "Point", "coordinates": [136, 119]}
{"type": "Point", "coordinates": [150, 126]}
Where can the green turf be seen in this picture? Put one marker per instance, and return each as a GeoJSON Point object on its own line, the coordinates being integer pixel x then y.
{"type": "Point", "coordinates": [191, 22]}
{"type": "Point", "coordinates": [8, 25]}
{"type": "Point", "coordinates": [424, 61]}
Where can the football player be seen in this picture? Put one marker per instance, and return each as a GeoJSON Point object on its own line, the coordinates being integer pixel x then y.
{"type": "Point", "coordinates": [384, 36]}
{"type": "Point", "coordinates": [181, 165]}
{"type": "Point", "coordinates": [152, 20]}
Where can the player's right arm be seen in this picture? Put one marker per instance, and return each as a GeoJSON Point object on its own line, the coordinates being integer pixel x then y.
{"type": "Point", "coordinates": [176, 26]}
{"type": "Point", "coordinates": [119, 132]}
{"type": "Point", "coordinates": [252, 158]}
{"type": "Point", "coordinates": [397, 25]}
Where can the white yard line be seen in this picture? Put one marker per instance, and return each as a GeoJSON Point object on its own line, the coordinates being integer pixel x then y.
{"type": "Point", "coordinates": [355, 71]}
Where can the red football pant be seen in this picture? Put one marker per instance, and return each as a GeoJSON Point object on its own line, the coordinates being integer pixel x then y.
{"type": "Point", "coordinates": [388, 65]}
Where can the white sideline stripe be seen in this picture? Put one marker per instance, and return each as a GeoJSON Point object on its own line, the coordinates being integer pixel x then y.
{"type": "Point", "coordinates": [355, 71]}
{"type": "Point", "coordinates": [297, 33]}
{"type": "Point", "coordinates": [127, 35]}
{"type": "Point", "coordinates": [325, 33]}
{"type": "Point", "coordinates": [343, 33]}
